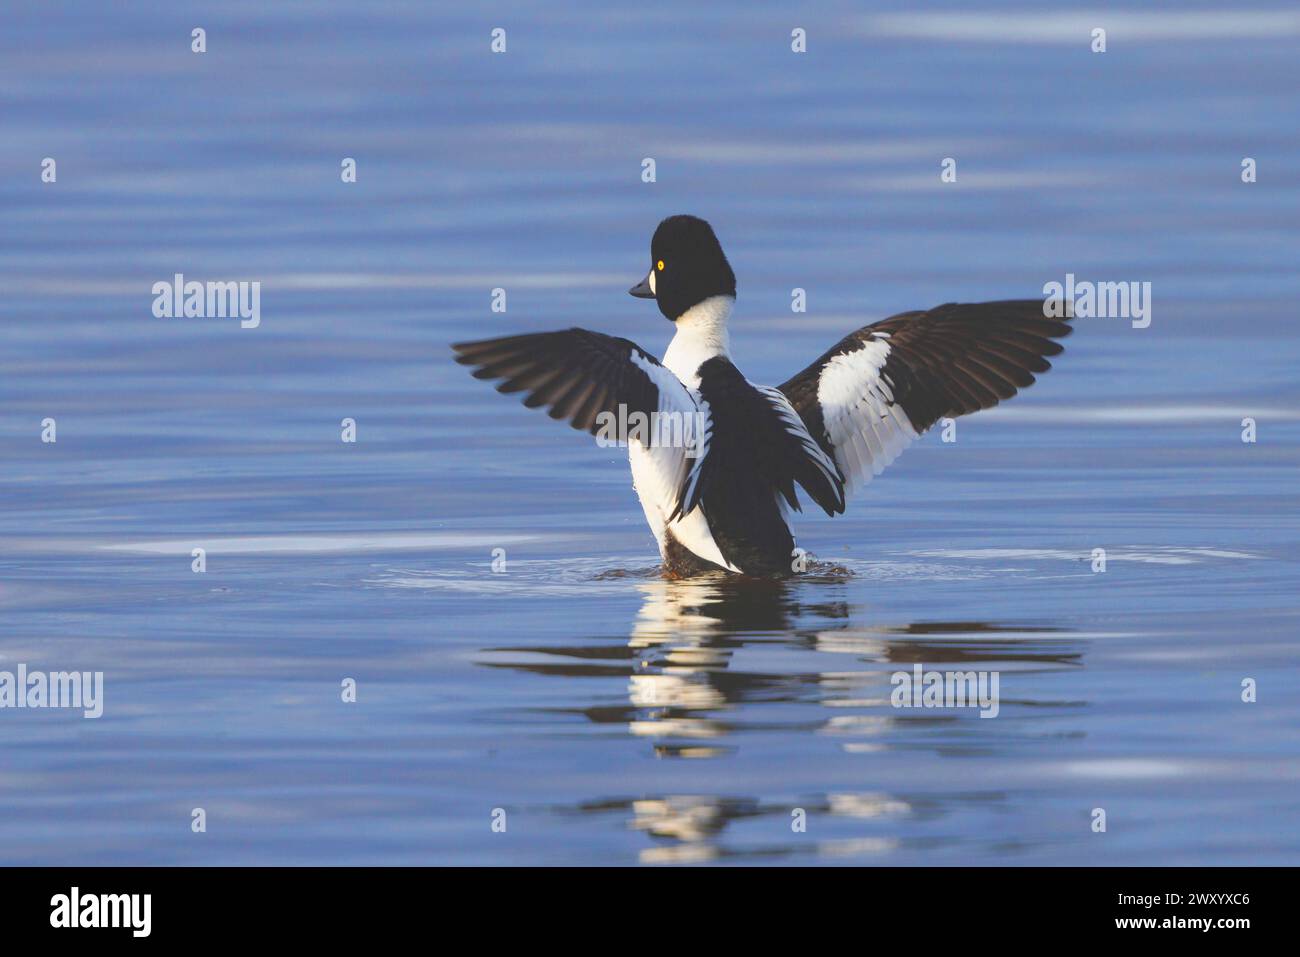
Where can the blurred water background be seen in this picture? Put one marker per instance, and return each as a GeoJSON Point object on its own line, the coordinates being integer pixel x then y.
{"type": "Point", "coordinates": [615, 717]}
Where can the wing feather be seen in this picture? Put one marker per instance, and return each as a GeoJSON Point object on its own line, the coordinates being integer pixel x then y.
{"type": "Point", "coordinates": [874, 392]}
{"type": "Point", "coordinates": [591, 380]}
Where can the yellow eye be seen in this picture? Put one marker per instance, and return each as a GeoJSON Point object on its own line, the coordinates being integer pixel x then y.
{"type": "Point", "coordinates": [660, 265]}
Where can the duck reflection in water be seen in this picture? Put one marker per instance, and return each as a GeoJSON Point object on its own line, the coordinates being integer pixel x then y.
{"type": "Point", "coordinates": [704, 655]}
{"type": "Point", "coordinates": [712, 660]}
{"type": "Point", "coordinates": [686, 682]}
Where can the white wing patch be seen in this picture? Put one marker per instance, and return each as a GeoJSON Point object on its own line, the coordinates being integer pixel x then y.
{"type": "Point", "coordinates": [866, 428]}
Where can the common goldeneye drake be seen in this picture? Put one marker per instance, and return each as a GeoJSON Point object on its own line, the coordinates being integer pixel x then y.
{"type": "Point", "coordinates": [719, 498]}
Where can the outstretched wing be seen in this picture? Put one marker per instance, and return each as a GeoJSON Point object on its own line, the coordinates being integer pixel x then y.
{"type": "Point", "coordinates": [578, 374]}
{"type": "Point", "coordinates": [876, 390]}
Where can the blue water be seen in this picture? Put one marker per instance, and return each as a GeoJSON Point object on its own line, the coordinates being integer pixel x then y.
{"type": "Point", "coordinates": [612, 716]}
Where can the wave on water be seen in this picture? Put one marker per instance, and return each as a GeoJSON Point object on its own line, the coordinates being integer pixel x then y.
{"type": "Point", "coordinates": [605, 575]}
{"type": "Point", "coordinates": [1150, 554]}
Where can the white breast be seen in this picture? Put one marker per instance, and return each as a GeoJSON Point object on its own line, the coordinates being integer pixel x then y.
{"type": "Point", "coordinates": [658, 498]}
{"type": "Point", "coordinates": [701, 335]}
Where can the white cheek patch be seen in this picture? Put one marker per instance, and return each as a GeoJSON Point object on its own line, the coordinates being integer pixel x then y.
{"type": "Point", "coordinates": [652, 280]}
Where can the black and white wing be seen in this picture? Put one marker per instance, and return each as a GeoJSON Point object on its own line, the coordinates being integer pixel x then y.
{"type": "Point", "coordinates": [874, 392]}
{"type": "Point", "coordinates": [755, 434]}
{"type": "Point", "coordinates": [578, 375]}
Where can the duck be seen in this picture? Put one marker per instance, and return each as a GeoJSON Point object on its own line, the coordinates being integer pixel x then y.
{"type": "Point", "coordinates": [716, 458]}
